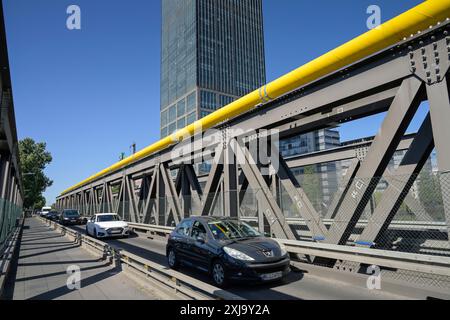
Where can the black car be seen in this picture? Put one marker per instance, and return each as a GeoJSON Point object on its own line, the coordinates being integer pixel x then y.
{"type": "Point", "coordinates": [227, 249]}
{"type": "Point", "coordinates": [53, 216]}
{"type": "Point", "coordinates": [71, 217]}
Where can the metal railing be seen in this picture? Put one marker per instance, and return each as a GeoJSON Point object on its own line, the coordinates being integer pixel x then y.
{"type": "Point", "coordinates": [180, 283]}
{"type": "Point", "coordinates": [7, 251]}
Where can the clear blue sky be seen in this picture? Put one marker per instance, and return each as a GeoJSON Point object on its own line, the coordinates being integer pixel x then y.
{"type": "Point", "coordinates": [90, 94]}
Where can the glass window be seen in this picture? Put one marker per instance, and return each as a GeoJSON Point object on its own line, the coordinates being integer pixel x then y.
{"type": "Point", "coordinates": [231, 229]}
{"type": "Point", "coordinates": [181, 108]}
{"type": "Point", "coordinates": [198, 229]}
{"type": "Point", "coordinates": [181, 123]}
{"type": "Point", "coordinates": [191, 118]}
{"type": "Point", "coordinates": [190, 106]}
{"type": "Point", "coordinates": [164, 118]}
{"type": "Point", "coordinates": [184, 228]}
{"type": "Point", "coordinates": [172, 113]}
{"type": "Point", "coordinates": [164, 132]}
{"type": "Point", "coordinates": [204, 113]}
{"type": "Point", "coordinates": [108, 218]}
{"type": "Point", "coordinates": [172, 128]}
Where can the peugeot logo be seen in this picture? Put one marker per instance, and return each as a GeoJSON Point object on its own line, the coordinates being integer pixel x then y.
{"type": "Point", "coordinates": [268, 253]}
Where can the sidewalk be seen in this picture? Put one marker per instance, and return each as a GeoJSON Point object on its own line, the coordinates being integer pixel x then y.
{"type": "Point", "coordinates": [41, 271]}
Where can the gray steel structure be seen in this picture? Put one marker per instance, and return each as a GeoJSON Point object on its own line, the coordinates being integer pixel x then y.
{"type": "Point", "coordinates": [11, 191]}
{"type": "Point", "coordinates": [212, 52]}
{"type": "Point", "coordinates": [395, 81]}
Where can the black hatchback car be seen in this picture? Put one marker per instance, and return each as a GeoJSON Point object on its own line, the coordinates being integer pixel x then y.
{"type": "Point", "coordinates": [53, 216]}
{"type": "Point", "coordinates": [228, 249]}
{"type": "Point", "coordinates": [70, 217]}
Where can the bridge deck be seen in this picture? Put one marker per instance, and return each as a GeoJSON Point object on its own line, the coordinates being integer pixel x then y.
{"type": "Point", "coordinates": [41, 271]}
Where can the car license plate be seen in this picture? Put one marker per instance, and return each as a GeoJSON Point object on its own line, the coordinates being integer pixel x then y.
{"type": "Point", "coordinates": [73, 221]}
{"type": "Point", "coordinates": [272, 276]}
{"type": "Point", "coordinates": [116, 231]}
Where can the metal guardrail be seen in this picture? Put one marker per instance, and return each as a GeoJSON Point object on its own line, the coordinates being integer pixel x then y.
{"type": "Point", "coordinates": [188, 286]}
{"type": "Point", "coordinates": [409, 225]}
{"type": "Point", "coordinates": [436, 265]}
{"type": "Point", "coordinates": [6, 256]}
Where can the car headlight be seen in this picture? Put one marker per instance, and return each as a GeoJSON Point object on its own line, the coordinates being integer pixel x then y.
{"type": "Point", "coordinates": [283, 249]}
{"type": "Point", "coordinates": [236, 254]}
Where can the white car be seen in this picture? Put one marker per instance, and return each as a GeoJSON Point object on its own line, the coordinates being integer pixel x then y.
{"type": "Point", "coordinates": [107, 225]}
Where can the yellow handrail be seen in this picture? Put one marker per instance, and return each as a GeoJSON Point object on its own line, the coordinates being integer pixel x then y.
{"type": "Point", "coordinates": [416, 19]}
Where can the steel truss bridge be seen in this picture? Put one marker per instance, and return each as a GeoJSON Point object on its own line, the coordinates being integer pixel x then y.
{"type": "Point", "coordinates": [161, 185]}
{"type": "Point", "coordinates": [392, 70]}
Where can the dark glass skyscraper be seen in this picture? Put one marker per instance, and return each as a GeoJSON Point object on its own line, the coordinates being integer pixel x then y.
{"type": "Point", "coordinates": [212, 53]}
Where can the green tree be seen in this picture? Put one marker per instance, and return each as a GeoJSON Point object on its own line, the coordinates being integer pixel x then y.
{"type": "Point", "coordinates": [312, 187]}
{"type": "Point", "coordinates": [34, 158]}
{"type": "Point", "coordinates": [430, 194]}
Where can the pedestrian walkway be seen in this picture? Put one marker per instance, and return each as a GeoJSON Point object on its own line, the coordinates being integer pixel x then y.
{"type": "Point", "coordinates": [41, 271]}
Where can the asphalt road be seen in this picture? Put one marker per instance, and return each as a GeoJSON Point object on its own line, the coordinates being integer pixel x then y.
{"type": "Point", "coordinates": [298, 285]}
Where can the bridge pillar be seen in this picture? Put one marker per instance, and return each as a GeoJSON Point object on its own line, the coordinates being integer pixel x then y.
{"type": "Point", "coordinates": [438, 97]}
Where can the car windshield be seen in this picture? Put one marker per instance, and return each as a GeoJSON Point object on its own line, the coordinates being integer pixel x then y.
{"type": "Point", "coordinates": [108, 218]}
{"type": "Point", "coordinates": [71, 213]}
{"type": "Point", "coordinates": [231, 230]}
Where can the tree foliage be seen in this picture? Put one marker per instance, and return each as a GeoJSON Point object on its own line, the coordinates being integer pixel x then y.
{"type": "Point", "coordinates": [34, 158]}
{"type": "Point", "coordinates": [312, 186]}
{"type": "Point", "coordinates": [430, 194]}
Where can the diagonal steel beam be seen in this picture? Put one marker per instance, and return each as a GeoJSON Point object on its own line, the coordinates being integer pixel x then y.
{"type": "Point", "coordinates": [196, 191]}
{"type": "Point", "coordinates": [343, 189]}
{"type": "Point", "coordinates": [150, 200]}
{"type": "Point", "coordinates": [272, 211]}
{"type": "Point", "coordinates": [129, 187]}
{"type": "Point", "coordinates": [171, 193]}
{"type": "Point", "coordinates": [230, 182]}
{"type": "Point", "coordinates": [412, 203]}
{"type": "Point", "coordinates": [212, 183]}
{"type": "Point", "coordinates": [119, 198]}
{"type": "Point", "coordinates": [301, 201]}
{"type": "Point", "coordinates": [439, 99]}
{"type": "Point", "coordinates": [399, 116]}
{"type": "Point", "coordinates": [396, 192]}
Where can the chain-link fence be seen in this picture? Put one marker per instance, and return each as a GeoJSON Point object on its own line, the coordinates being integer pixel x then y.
{"type": "Point", "coordinates": [398, 213]}
{"type": "Point", "coordinates": [9, 213]}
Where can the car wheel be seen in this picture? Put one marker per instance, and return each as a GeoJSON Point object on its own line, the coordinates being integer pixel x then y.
{"type": "Point", "coordinates": [87, 230]}
{"type": "Point", "coordinates": [172, 259]}
{"type": "Point", "coordinates": [95, 234]}
{"type": "Point", "coordinates": [219, 275]}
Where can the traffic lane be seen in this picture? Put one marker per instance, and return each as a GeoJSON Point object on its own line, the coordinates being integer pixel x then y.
{"type": "Point", "coordinates": [155, 250]}
{"type": "Point", "coordinates": [151, 250]}
{"type": "Point", "coordinates": [135, 244]}
{"type": "Point", "coordinates": [297, 285]}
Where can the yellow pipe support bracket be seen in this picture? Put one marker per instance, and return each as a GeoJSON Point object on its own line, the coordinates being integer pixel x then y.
{"type": "Point", "coordinates": [393, 31]}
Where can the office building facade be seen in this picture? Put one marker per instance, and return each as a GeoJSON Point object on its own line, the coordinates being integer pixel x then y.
{"type": "Point", "coordinates": [212, 53]}
{"type": "Point", "coordinates": [326, 174]}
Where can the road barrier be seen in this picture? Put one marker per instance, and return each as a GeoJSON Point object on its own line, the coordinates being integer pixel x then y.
{"type": "Point", "coordinates": [187, 286]}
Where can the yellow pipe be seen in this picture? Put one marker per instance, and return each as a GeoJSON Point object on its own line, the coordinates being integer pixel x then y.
{"type": "Point", "coordinates": [416, 19]}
